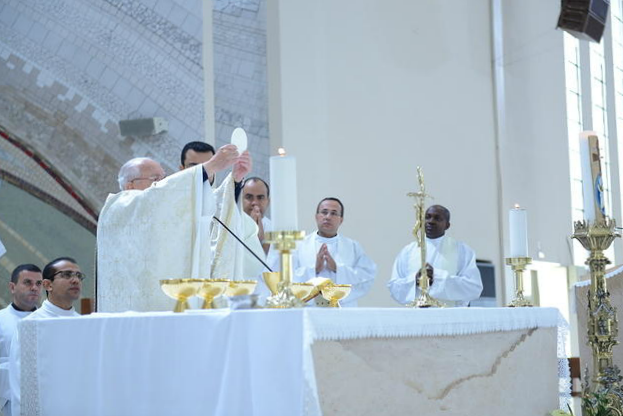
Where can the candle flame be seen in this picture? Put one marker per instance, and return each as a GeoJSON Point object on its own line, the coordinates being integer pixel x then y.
{"type": "Point", "coordinates": [281, 151]}
{"type": "Point", "coordinates": [516, 206]}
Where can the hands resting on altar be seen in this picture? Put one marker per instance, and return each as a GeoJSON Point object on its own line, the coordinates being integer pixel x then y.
{"type": "Point", "coordinates": [324, 259]}
{"type": "Point", "coordinates": [429, 271]}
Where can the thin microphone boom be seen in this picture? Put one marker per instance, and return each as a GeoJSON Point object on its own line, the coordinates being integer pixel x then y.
{"type": "Point", "coordinates": [243, 244]}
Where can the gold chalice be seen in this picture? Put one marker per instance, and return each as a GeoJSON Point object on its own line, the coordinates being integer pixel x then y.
{"type": "Point", "coordinates": [335, 293]}
{"type": "Point", "coordinates": [272, 281]}
{"type": "Point", "coordinates": [304, 291]}
{"type": "Point", "coordinates": [181, 290]}
{"type": "Point", "coordinates": [210, 289]}
{"type": "Point", "coordinates": [240, 287]}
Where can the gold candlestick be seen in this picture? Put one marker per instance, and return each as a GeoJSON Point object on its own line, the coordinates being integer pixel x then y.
{"type": "Point", "coordinates": [285, 242]}
{"type": "Point", "coordinates": [607, 383]}
{"type": "Point", "coordinates": [425, 300]}
{"type": "Point", "coordinates": [518, 264]}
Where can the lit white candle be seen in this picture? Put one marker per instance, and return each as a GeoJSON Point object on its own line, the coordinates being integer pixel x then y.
{"type": "Point", "coordinates": [518, 223]}
{"type": "Point", "coordinates": [587, 176]}
{"type": "Point", "coordinates": [283, 196]}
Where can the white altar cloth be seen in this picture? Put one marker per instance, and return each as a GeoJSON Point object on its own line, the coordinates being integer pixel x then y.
{"type": "Point", "coordinates": [221, 362]}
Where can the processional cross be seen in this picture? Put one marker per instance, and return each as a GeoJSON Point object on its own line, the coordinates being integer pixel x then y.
{"type": "Point", "coordinates": [425, 300]}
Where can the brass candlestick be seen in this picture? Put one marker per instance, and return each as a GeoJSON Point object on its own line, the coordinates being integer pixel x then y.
{"type": "Point", "coordinates": [607, 382]}
{"type": "Point", "coordinates": [285, 242]}
{"type": "Point", "coordinates": [518, 264]}
{"type": "Point", "coordinates": [424, 300]}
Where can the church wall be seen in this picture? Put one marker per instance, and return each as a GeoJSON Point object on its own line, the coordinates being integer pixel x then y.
{"type": "Point", "coordinates": [363, 92]}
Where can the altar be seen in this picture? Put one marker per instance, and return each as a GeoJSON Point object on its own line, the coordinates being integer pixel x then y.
{"type": "Point", "coordinates": [312, 361]}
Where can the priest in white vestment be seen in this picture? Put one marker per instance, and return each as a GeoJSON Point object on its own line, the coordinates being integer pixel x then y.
{"type": "Point", "coordinates": [454, 277]}
{"type": "Point", "coordinates": [328, 254]}
{"type": "Point", "coordinates": [161, 228]}
{"type": "Point", "coordinates": [25, 287]}
{"type": "Point", "coordinates": [62, 280]}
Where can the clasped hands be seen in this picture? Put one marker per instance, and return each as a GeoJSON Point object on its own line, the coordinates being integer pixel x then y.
{"type": "Point", "coordinates": [325, 260]}
{"type": "Point", "coordinates": [429, 271]}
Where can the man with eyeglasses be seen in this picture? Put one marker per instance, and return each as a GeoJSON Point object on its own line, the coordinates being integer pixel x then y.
{"type": "Point", "coordinates": [62, 280]}
{"type": "Point", "coordinates": [450, 265]}
{"type": "Point", "coordinates": [328, 254]}
{"type": "Point", "coordinates": [25, 287]}
{"type": "Point", "coordinates": [160, 228]}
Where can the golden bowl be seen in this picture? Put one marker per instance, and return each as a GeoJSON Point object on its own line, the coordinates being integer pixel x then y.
{"type": "Point", "coordinates": [304, 291]}
{"type": "Point", "coordinates": [210, 289]}
{"type": "Point", "coordinates": [272, 281]}
{"type": "Point", "coordinates": [181, 290]}
{"type": "Point", "coordinates": [240, 287]}
{"type": "Point", "coordinates": [335, 293]}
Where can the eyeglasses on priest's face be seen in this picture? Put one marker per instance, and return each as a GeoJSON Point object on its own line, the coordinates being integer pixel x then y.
{"type": "Point", "coordinates": [151, 179]}
{"type": "Point", "coordinates": [69, 274]}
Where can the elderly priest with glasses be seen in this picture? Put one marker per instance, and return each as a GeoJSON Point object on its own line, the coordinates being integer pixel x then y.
{"type": "Point", "coordinates": [158, 228]}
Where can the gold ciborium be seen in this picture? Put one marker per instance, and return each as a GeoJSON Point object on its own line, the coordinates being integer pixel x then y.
{"type": "Point", "coordinates": [335, 293]}
{"type": "Point", "coordinates": [304, 291]}
{"type": "Point", "coordinates": [181, 290]}
{"type": "Point", "coordinates": [240, 287]}
{"type": "Point", "coordinates": [272, 281]}
{"type": "Point", "coordinates": [210, 289]}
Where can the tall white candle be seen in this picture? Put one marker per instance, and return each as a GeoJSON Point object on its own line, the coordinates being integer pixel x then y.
{"type": "Point", "coordinates": [587, 176]}
{"type": "Point", "coordinates": [518, 223]}
{"type": "Point", "coordinates": [283, 197]}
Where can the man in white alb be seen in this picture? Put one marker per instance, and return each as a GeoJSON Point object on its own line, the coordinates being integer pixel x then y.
{"type": "Point", "coordinates": [25, 287]}
{"type": "Point", "coordinates": [451, 265]}
{"type": "Point", "coordinates": [255, 200]}
{"type": "Point", "coordinates": [328, 254]}
{"type": "Point", "coordinates": [62, 281]}
{"type": "Point", "coordinates": [160, 228]}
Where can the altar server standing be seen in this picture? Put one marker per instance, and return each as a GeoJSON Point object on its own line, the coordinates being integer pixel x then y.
{"type": "Point", "coordinates": [25, 287]}
{"type": "Point", "coordinates": [329, 254]}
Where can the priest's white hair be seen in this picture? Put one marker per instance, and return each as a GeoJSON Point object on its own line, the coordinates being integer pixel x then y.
{"type": "Point", "coordinates": [130, 171]}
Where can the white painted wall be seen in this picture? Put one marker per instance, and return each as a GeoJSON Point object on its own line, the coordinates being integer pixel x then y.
{"type": "Point", "coordinates": [364, 91]}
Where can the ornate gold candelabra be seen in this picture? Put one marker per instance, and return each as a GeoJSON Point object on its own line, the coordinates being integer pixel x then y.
{"type": "Point", "coordinates": [602, 320]}
{"type": "Point", "coordinates": [424, 300]}
{"type": "Point", "coordinates": [285, 242]}
{"type": "Point", "coordinates": [518, 265]}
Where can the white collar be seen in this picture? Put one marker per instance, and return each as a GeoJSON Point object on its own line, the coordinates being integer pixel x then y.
{"type": "Point", "coordinates": [56, 310]}
{"type": "Point", "coordinates": [326, 240]}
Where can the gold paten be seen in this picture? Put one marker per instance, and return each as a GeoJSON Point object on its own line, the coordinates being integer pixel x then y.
{"type": "Point", "coordinates": [518, 265]}
{"type": "Point", "coordinates": [181, 290]}
{"type": "Point", "coordinates": [240, 287]}
{"type": "Point", "coordinates": [603, 328]}
{"type": "Point", "coordinates": [425, 300]}
{"type": "Point", "coordinates": [334, 293]}
{"type": "Point", "coordinates": [210, 289]}
{"type": "Point", "coordinates": [285, 242]}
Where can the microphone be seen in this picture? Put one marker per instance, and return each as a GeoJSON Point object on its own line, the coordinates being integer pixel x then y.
{"type": "Point", "coordinates": [243, 244]}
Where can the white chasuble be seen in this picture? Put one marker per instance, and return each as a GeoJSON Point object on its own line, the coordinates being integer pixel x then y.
{"type": "Point", "coordinates": [353, 266]}
{"type": "Point", "coordinates": [456, 279]}
{"type": "Point", "coordinates": [145, 236]}
{"type": "Point", "coordinates": [230, 259]}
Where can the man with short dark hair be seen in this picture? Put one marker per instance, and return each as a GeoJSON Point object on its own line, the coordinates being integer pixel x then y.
{"type": "Point", "coordinates": [450, 264]}
{"type": "Point", "coordinates": [62, 280]}
{"type": "Point", "coordinates": [25, 287]}
{"type": "Point", "coordinates": [328, 254]}
{"type": "Point", "coordinates": [255, 201]}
